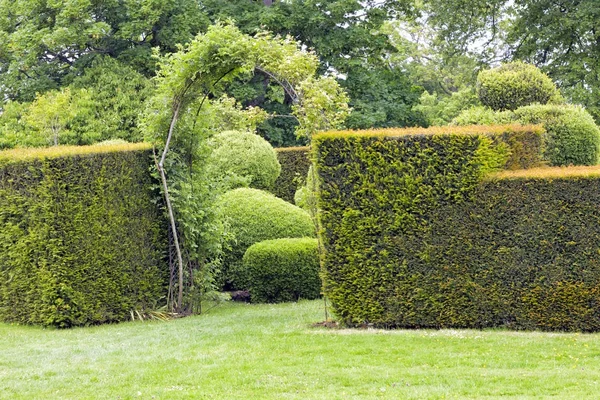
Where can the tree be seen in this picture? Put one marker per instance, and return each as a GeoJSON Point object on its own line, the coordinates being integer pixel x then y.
{"type": "Point", "coordinates": [560, 37]}
{"type": "Point", "coordinates": [348, 38]}
{"type": "Point", "coordinates": [42, 42]}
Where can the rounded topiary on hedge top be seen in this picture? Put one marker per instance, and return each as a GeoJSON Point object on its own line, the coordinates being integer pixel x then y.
{"type": "Point", "coordinates": [573, 137]}
{"type": "Point", "coordinates": [243, 159]}
{"type": "Point", "coordinates": [514, 85]}
{"type": "Point", "coordinates": [251, 216]}
{"type": "Point", "coordinates": [282, 270]}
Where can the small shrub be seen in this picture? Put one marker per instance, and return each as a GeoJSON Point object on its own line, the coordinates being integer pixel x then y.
{"type": "Point", "coordinates": [243, 159]}
{"type": "Point", "coordinates": [252, 216]}
{"type": "Point", "coordinates": [572, 135]}
{"type": "Point", "coordinates": [514, 85]}
{"type": "Point", "coordinates": [282, 270]}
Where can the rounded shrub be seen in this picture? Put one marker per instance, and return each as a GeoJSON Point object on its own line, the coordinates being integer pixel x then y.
{"type": "Point", "coordinates": [251, 216]}
{"type": "Point", "coordinates": [282, 270]}
{"type": "Point", "coordinates": [243, 159]}
{"type": "Point", "coordinates": [514, 85]}
{"type": "Point", "coordinates": [572, 135]}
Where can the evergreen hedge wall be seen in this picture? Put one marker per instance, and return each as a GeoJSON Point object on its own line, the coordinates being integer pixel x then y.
{"type": "Point", "coordinates": [414, 235]}
{"type": "Point", "coordinates": [294, 162]}
{"type": "Point", "coordinates": [81, 238]}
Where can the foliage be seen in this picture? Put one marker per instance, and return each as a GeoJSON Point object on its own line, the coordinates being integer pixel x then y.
{"type": "Point", "coordinates": [441, 110]}
{"type": "Point", "coordinates": [573, 137]}
{"type": "Point", "coordinates": [520, 255]}
{"type": "Point", "coordinates": [558, 37]}
{"type": "Point", "coordinates": [348, 38]}
{"type": "Point", "coordinates": [483, 116]}
{"type": "Point", "coordinates": [282, 270]}
{"type": "Point", "coordinates": [294, 167]}
{"type": "Point", "coordinates": [243, 159]}
{"type": "Point", "coordinates": [117, 94]}
{"type": "Point", "coordinates": [514, 85]}
{"type": "Point", "coordinates": [44, 42]}
{"type": "Point", "coordinates": [252, 216]}
{"type": "Point", "coordinates": [14, 131]}
{"type": "Point", "coordinates": [378, 191]}
{"type": "Point", "coordinates": [82, 237]}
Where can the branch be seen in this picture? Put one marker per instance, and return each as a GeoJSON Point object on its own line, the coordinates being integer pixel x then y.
{"type": "Point", "coordinates": [284, 84]}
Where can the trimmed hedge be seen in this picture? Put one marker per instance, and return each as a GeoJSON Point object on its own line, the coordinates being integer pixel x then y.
{"type": "Point", "coordinates": [282, 270]}
{"type": "Point", "coordinates": [573, 137]}
{"type": "Point", "coordinates": [295, 162]}
{"type": "Point", "coordinates": [514, 85]}
{"type": "Point", "coordinates": [251, 216]}
{"type": "Point", "coordinates": [81, 237]}
{"type": "Point", "coordinates": [414, 236]}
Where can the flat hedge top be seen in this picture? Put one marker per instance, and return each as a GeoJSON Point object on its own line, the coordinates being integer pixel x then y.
{"type": "Point", "coordinates": [434, 130]}
{"type": "Point", "coordinates": [34, 153]}
{"type": "Point", "coordinates": [592, 171]}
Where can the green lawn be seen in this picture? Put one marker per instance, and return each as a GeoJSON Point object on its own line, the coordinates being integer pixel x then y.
{"type": "Point", "coordinates": [239, 351]}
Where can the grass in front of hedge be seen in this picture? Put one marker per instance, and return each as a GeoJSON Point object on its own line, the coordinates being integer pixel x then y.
{"type": "Point", "coordinates": [239, 351]}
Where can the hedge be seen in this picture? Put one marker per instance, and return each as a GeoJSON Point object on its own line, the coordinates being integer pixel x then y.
{"type": "Point", "coordinates": [572, 135]}
{"type": "Point", "coordinates": [282, 270]}
{"type": "Point", "coordinates": [295, 162]}
{"type": "Point", "coordinates": [415, 235]}
{"type": "Point", "coordinates": [251, 216]}
{"type": "Point", "coordinates": [81, 236]}
{"type": "Point", "coordinates": [514, 85]}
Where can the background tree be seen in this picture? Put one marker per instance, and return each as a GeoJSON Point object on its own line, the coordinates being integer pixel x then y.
{"type": "Point", "coordinates": [43, 42]}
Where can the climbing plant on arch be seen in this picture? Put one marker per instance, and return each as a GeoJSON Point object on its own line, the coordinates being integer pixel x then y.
{"type": "Point", "coordinates": [190, 106]}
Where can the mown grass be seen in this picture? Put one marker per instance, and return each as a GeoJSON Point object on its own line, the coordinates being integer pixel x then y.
{"type": "Point", "coordinates": [239, 351]}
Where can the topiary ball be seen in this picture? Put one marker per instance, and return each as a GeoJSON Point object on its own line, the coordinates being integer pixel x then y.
{"type": "Point", "coordinates": [514, 85]}
{"type": "Point", "coordinates": [243, 159]}
{"type": "Point", "coordinates": [282, 270]}
{"type": "Point", "coordinates": [572, 135]}
{"type": "Point", "coordinates": [251, 216]}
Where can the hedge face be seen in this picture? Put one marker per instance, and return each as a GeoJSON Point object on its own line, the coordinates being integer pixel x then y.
{"type": "Point", "coordinates": [282, 270]}
{"type": "Point", "coordinates": [81, 238]}
{"type": "Point", "coordinates": [413, 238]}
{"type": "Point", "coordinates": [295, 162]}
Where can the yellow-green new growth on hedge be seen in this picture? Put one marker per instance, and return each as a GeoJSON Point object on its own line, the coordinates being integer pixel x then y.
{"type": "Point", "coordinates": [415, 235]}
{"type": "Point", "coordinates": [81, 235]}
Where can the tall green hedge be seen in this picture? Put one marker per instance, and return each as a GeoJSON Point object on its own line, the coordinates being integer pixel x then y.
{"type": "Point", "coordinates": [81, 236]}
{"type": "Point", "coordinates": [415, 236]}
{"type": "Point", "coordinates": [295, 162]}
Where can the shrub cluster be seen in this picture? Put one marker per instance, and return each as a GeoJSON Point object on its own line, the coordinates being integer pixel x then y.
{"type": "Point", "coordinates": [295, 162]}
{"type": "Point", "coordinates": [514, 85]}
{"type": "Point", "coordinates": [81, 237]}
{"type": "Point", "coordinates": [414, 236]}
{"type": "Point", "coordinates": [282, 270]}
{"type": "Point", "coordinates": [251, 216]}
{"type": "Point", "coordinates": [573, 138]}
{"type": "Point", "coordinates": [243, 159]}
{"type": "Point", "coordinates": [572, 135]}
